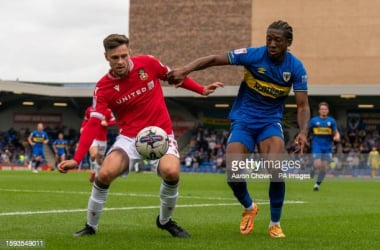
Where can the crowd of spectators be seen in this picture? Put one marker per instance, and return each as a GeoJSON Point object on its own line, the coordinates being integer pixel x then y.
{"type": "Point", "coordinates": [15, 149]}
{"type": "Point", "coordinates": [14, 146]}
{"type": "Point", "coordinates": [207, 148]}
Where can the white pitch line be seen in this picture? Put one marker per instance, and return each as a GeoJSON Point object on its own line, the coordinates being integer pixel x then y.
{"type": "Point", "coordinates": [111, 193]}
{"type": "Point", "coordinates": [128, 194]}
{"type": "Point", "coordinates": [60, 211]}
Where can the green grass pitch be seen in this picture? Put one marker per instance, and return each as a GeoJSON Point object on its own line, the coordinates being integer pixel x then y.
{"type": "Point", "coordinates": [50, 206]}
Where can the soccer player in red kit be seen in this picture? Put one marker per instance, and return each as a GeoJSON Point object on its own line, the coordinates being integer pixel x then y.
{"type": "Point", "coordinates": [99, 144]}
{"type": "Point", "coordinates": [132, 90]}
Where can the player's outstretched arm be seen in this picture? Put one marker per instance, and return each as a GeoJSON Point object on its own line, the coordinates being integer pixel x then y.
{"type": "Point", "coordinates": [179, 74]}
{"type": "Point", "coordinates": [303, 117]}
{"type": "Point", "coordinates": [194, 86]}
{"type": "Point", "coordinates": [66, 165]}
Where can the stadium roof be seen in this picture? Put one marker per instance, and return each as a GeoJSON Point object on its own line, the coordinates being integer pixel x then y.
{"type": "Point", "coordinates": [85, 89]}
{"type": "Point", "coordinates": [345, 96]}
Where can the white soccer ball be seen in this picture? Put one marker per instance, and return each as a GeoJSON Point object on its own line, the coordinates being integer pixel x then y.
{"type": "Point", "coordinates": [152, 143]}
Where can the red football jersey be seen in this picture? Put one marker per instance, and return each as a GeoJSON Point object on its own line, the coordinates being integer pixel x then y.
{"type": "Point", "coordinates": [101, 134]}
{"type": "Point", "coordinates": [137, 100]}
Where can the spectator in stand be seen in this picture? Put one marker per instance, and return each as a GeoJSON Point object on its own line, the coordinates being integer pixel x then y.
{"type": "Point", "coordinates": [5, 156]}
{"type": "Point", "coordinates": [21, 158]}
{"type": "Point", "coordinates": [188, 161]}
{"type": "Point", "coordinates": [346, 148]}
{"type": "Point", "coordinates": [220, 163]}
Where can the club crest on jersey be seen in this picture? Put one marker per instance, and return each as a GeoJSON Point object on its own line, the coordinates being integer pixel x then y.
{"type": "Point", "coordinates": [329, 124]}
{"type": "Point", "coordinates": [286, 76]}
{"type": "Point", "coordinates": [117, 87]}
{"type": "Point", "coordinates": [142, 74]}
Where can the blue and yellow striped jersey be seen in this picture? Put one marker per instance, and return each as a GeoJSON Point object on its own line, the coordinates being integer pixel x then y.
{"type": "Point", "coordinates": [322, 131]}
{"type": "Point", "coordinates": [265, 85]}
{"type": "Point", "coordinates": [60, 143]}
{"type": "Point", "coordinates": [38, 137]}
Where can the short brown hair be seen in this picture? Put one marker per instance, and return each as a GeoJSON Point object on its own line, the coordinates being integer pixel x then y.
{"type": "Point", "coordinates": [323, 104]}
{"type": "Point", "coordinates": [115, 40]}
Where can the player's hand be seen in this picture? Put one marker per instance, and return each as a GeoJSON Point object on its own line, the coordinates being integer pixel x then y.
{"type": "Point", "coordinates": [210, 88]}
{"type": "Point", "coordinates": [104, 123]}
{"type": "Point", "coordinates": [176, 76]}
{"type": "Point", "coordinates": [336, 138]}
{"type": "Point", "coordinates": [301, 141]}
{"type": "Point", "coordinates": [66, 165]}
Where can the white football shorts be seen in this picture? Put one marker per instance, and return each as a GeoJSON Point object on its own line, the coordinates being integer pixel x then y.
{"type": "Point", "coordinates": [127, 144]}
{"type": "Point", "coordinates": [102, 146]}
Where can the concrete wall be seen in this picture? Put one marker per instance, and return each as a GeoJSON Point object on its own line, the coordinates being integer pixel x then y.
{"type": "Point", "coordinates": [336, 39]}
{"type": "Point", "coordinates": [179, 31]}
{"type": "Point", "coordinates": [70, 118]}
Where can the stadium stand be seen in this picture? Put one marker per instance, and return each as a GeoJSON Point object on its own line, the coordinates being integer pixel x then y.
{"type": "Point", "coordinates": [205, 149]}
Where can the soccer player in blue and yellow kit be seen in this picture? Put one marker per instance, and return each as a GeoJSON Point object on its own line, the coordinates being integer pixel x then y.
{"type": "Point", "coordinates": [269, 73]}
{"type": "Point", "coordinates": [60, 147]}
{"type": "Point", "coordinates": [37, 139]}
{"type": "Point", "coordinates": [324, 131]}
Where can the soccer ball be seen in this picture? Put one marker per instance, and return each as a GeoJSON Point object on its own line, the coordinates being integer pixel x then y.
{"type": "Point", "coordinates": [152, 143]}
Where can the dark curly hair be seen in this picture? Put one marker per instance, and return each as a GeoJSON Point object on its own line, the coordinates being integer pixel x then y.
{"type": "Point", "coordinates": [282, 25]}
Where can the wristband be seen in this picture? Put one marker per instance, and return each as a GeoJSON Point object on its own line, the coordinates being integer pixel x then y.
{"type": "Point", "coordinates": [192, 85]}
